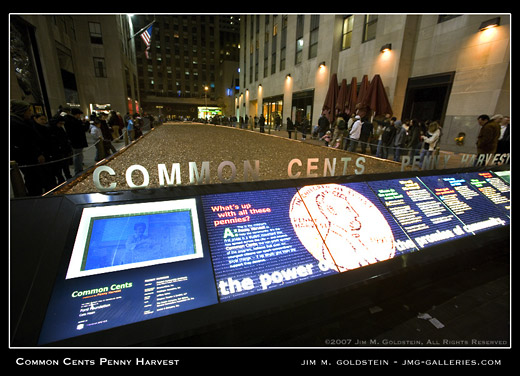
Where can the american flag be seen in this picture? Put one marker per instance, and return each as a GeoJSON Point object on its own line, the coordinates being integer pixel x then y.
{"type": "Point", "coordinates": [146, 36]}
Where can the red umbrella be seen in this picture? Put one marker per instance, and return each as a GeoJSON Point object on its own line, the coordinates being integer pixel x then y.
{"type": "Point", "coordinates": [352, 97]}
{"type": "Point", "coordinates": [376, 97]}
{"type": "Point", "coordinates": [342, 98]}
{"type": "Point", "coordinates": [329, 105]}
{"type": "Point", "coordinates": [362, 106]}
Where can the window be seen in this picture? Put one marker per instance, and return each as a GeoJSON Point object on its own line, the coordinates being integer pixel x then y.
{"type": "Point", "coordinates": [95, 33]}
{"type": "Point", "coordinates": [299, 51]}
{"type": "Point", "coordinates": [346, 34]}
{"type": "Point", "coordinates": [369, 28]}
{"type": "Point", "coordinates": [446, 17]}
{"type": "Point", "coordinates": [273, 54]}
{"type": "Point", "coordinates": [283, 43]}
{"type": "Point", "coordinates": [299, 40]}
{"type": "Point", "coordinates": [99, 67]}
{"type": "Point", "coordinates": [282, 59]}
{"type": "Point", "coordinates": [315, 27]}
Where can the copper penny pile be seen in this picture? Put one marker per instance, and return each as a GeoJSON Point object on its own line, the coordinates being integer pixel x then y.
{"type": "Point", "coordinates": [191, 142]}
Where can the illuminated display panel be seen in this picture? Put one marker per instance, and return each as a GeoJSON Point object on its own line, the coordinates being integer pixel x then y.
{"type": "Point", "coordinates": [175, 276]}
{"type": "Point", "coordinates": [491, 186]}
{"type": "Point", "coordinates": [504, 175]}
{"type": "Point", "coordinates": [474, 209]}
{"type": "Point", "coordinates": [419, 212]}
{"type": "Point", "coordinates": [133, 262]}
{"type": "Point", "coordinates": [263, 240]}
{"type": "Point", "coordinates": [253, 244]}
{"type": "Point", "coordinates": [113, 238]}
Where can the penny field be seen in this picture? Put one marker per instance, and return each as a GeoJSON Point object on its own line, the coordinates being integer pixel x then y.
{"type": "Point", "coordinates": [191, 153]}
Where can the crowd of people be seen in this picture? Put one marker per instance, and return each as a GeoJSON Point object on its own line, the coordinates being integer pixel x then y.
{"type": "Point", "coordinates": [44, 149]}
{"type": "Point", "coordinates": [384, 138]}
{"type": "Point", "coordinates": [392, 137]}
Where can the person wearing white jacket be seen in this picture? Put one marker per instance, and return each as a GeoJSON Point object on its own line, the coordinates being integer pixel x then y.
{"type": "Point", "coordinates": [355, 133]}
{"type": "Point", "coordinates": [430, 142]}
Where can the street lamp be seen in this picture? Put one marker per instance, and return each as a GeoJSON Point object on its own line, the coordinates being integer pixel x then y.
{"type": "Point", "coordinates": [206, 101]}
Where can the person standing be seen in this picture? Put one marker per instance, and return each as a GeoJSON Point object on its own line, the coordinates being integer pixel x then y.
{"type": "Point", "coordinates": [413, 139]}
{"type": "Point", "coordinates": [113, 123]}
{"type": "Point", "coordinates": [290, 127]}
{"type": "Point", "coordinates": [130, 127]}
{"type": "Point", "coordinates": [97, 136]}
{"type": "Point", "coordinates": [367, 131]}
{"type": "Point", "coordinates": [60, 147]}
{"type": "Point", "coordinates": [503, 146]}
{"type": "Point", "coordinates": [323, 126]}
{"type": "Point", "coordinates": [338, 132]}
{"type": "Point", "coordinates": [26, 146]}
{"type": "Point", "coordinates": [430, 139]}
{"type": "Point", "coordinates": [261, 123]}
{"type": "Point", "coordinates": [305, 128]}
{"type": "Point", "coordinates": [76, 130]}
{"type": "Point", "coordinates": [355, 133]}
{"type": "Point", "coordinates": [277, 122]}
{"type": "Point", "coordinates": [488, 135]}
{"type": "Point", "coordinates": [39, 122]}
{"type": "Point", "coordinates": [387, 137]}
{"type": "Point", "coordinates": [400, 135]}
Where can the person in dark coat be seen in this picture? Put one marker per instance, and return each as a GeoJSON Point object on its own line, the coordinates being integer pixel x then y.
{"type": "Point", "coordinates": [39, 123]}
{"type": "Point", "coordinates": [413, 139]}
{"type": "Point", "coordinates": [387, 137]}
{"type": "Point", "coordinates": [76, 129]}
{"type": "Point", "coordinates": [367, 130]}
{"type": "Point", "coordinates": [323, 126]}
{"type": "Point", "coordinates": [60, 148]}
{"type": "Point", "coordinates": [290, 127]}
{"type": "Point", "coordinates": [26, 147]}
{"type": "Point", "coordinates": [261, 123]}
{"type": "Point", "coordinates": [487, 139]}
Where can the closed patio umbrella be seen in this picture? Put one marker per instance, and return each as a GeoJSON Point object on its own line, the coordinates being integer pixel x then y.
{"type": "Point", "coordinates": [362, 107]}
{"type": "Point", "coordinates": [329, 106]}
{"type": "Point", "coordinates": [352, 97]}
{"type": "Point", "coordinates": [342, 98]}
{"type": "Point", "coordinates": [376, 97]}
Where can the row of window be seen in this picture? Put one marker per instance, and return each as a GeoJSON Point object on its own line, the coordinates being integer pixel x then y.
{"type": "Point", "coordinates": [369, 33]}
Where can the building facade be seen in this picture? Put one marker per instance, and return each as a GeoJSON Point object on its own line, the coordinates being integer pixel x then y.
{"type": "Point", "coordinates": [449, 68]}
{"type": "Point", "coordinates": [192, 64]}
{"type": "Point", "coordinates": [83, 61]}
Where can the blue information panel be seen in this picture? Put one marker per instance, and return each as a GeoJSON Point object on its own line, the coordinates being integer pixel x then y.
{"type": "Point", "coordinates": [130, 263]}
{"type": "Point", "coordinates": [419, 212]}
{"type": "Point", "coordinates": [269, 239]}
{"type": "Point", "coordinates": [133, 262]}
{"type": "Point", "coordinates": [491, 186]}
{"type": "Point", "coordinates": [472, 207]}
{"type": "Point", "coordinates": [254, 245]}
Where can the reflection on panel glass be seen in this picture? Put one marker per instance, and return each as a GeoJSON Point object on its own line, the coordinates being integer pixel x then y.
{"type": "Point", "coordinates": [120, 237]}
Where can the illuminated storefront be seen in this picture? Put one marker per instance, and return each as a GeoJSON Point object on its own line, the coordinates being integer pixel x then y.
{"type": "Point", "coordinates": [273, 108]}
{"type": "Point", "coordinates": [208, 112]}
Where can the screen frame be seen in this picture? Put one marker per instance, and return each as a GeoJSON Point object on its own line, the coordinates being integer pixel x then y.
{"type": "Point", "coordinates": [90, 214]}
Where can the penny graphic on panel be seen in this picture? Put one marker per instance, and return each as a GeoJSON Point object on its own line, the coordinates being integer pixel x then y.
{"type": "Point", "coordinates": [340, 227]}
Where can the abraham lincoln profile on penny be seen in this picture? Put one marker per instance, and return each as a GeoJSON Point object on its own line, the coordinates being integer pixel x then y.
{"type": "Point", "coordinates": [340, 227]}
